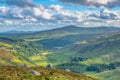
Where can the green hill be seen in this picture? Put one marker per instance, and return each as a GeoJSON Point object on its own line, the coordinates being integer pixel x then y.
{"type": "Point", "coordinates": [106, 75]}
{"type": "Point", "coordinates": [14, 51]}
{"type": "Point", "coordinates": [104, 49]}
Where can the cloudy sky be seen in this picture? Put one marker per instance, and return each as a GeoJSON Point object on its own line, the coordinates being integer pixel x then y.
{"type": "Point", "coordinates": [34, 15]}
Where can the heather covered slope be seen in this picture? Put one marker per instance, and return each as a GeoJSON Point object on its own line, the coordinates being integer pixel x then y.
{"type": "Point", "coordinates": [38, 73]}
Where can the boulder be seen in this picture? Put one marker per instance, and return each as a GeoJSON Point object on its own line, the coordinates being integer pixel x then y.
{"type": "Point", "coordinates": [35, 73]}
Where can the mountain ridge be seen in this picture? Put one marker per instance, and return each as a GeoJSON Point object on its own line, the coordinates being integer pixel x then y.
{"type": "Point", "coordinates": [69, 26]}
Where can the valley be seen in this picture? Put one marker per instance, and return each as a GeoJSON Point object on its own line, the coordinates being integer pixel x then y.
{"type": "Point", "coordinates": [93, 51]}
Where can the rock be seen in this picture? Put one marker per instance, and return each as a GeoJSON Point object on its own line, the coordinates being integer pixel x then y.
{"type": "Point", "coordinates": [35, 73]}
{"type": "Point", "coordinates": [48, 66]}
{"type": "Point", "coordinates": [67, 70]}
{"type": "Point", "coordinates": [26, 66]}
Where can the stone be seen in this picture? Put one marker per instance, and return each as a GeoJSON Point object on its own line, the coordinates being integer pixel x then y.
{"type": "Point", "coordinates": [35, 73]}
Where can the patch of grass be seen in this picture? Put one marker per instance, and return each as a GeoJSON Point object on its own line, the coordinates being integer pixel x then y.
{"type": "Point", "coordinates": [40, 60]}
{"type": "Point", "coordinates": [5, 45]}
{"type": "Point", "coordinates": [93, 61]}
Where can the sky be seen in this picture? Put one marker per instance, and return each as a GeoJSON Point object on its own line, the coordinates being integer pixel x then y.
{"type": "Point", "coordinates": [35, 15]}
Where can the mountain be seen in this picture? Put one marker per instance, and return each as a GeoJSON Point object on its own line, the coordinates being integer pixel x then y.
{"type": "Point", "coordinates": [15, 33]}
{"type": "Point", "coordinates": [71, 30]}
{"type": "Point", "coordinates": [61, 37]}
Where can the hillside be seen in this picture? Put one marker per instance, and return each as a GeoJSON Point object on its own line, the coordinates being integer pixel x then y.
{"type": "Point", "coordinates": [14, 51]}
{"type": "Point", "coordinates": [95, 56]}
{"type": "Point", "coordinates": [61, 37]}
{"type": "Point", "coordinates": [38, 73]}
{"type": "Point", "coordinates": [106, 75]}
{"type": "Point", "coordinates": [105, 48]}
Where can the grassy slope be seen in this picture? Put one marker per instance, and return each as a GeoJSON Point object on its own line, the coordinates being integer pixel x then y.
{"type": "Point", "coordinates": [106, 75]}
{"type": "Point", "coordinates": [21, 52]}
{"type": "Point", "coordinates": [14, 73]}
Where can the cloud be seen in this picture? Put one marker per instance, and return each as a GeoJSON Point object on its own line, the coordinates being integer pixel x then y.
{"type": "Point", "coordinates": [106, 14]}
{"type": "Point", "coordinates": [38, 12]}
{"type": "Point", "coordinates": [95, 3]}
{"type": "Point", "coordinates": [104, 17]}
{"type": "Point", "coordinates": [19, 3]}
{"type": "Point", "coordinates": [41, 12]}
{"type": "Point", "coordinates": [56, 7]}
{"type": "Point", "coordinates": [41, 17]}
{"type": "Point", "coordinates": [8, 22]}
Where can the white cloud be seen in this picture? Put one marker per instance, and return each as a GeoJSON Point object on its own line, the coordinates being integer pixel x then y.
{"type": "Point", "coordinates": [106, 14]}
{"type": "Point", "coordinates": [56, 7]}
{"type": "Point", "coordinates": [46, 15]}
{"type": "Point", "coordinates": [20, 3]}
{"type": "Point", "coordinates": [8, 22]}
{"type": "Point", "coordinates": [96, 3]}
{"type": "Point", "coordinates": [37, 11]}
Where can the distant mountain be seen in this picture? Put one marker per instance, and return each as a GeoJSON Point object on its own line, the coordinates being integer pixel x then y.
{"type": "Point", "coordinates": [60, 37]}
{"type": "Point", "coordinates": [60, 32]}
{"type": "Point", "coordinates": [14, 33]}
{"type": "Point", "coordinates": [71, 30]}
